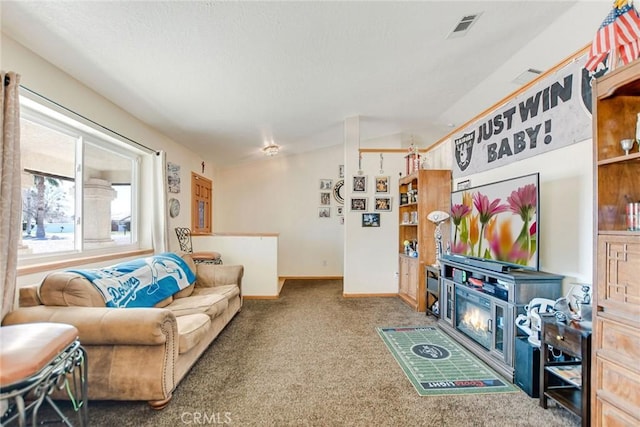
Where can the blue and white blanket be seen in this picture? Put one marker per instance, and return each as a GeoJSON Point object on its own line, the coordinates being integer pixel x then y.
{"type": "Point", "coordinates": [142, 282]}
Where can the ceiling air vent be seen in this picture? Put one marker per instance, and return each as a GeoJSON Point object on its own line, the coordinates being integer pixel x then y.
{"type": "Point", "coordinates": [526, 76]}
{"type": "Point", "coordinates": [462, 27]}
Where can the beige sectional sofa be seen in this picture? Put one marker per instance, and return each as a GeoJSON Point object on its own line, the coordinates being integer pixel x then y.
{"type": "Point", "coordinates": [137, 353]}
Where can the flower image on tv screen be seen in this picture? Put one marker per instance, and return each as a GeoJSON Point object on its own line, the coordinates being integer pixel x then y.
{"type": "Point", "coordinates": [498, 221]}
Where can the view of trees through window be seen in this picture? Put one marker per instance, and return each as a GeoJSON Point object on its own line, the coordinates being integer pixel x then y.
{"type": "Point", "coordinates": [66, 172]}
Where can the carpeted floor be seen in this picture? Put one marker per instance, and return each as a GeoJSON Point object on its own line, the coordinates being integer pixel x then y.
{"type": "Point", "coordinates": [314, 358]}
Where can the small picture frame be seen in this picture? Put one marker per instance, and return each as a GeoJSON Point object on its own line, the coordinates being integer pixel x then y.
{"type": "Point", "coordinates": [340, 171]}
{"type": "Point", "coordinates": [359, 184]}
{"type": "Point", "coordinates": [324, 212]}
{"type": "Point", "coordinates": [371, 220]}
{"type": "Point", "coordinates": [359, 203]}
{"type": "Point", "coordinates": [340, 210]}
{"type": "Point", "coordinates": [325, 198]}
{"type": "Point", "coordinates": [382, 184]}
{"type": "Point", "coordinates": [383, 204]}
{"type": "Point", "coordinates": [326, 184]}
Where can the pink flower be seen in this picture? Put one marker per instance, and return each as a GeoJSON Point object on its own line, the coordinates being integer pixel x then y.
{"type": "Point", "coordinates": [458, 212]}
{"type": "Point", "coordinates": [523, 201]}
{"type": "Point", "coordinates": [485, 209]}
{"type": "Point", "coordinates": [460, 248]}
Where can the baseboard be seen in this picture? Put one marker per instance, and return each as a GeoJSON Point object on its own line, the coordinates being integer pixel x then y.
{"type": "Point", "coordinates": [260, 297]}
{"type": "Point", "coordinates": [369, 295]}
{"type": "Point", "coordinates": [283, 278]}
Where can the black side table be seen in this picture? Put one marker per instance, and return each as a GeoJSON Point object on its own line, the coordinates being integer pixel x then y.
{"type": "Point", "coordinates": [432, 288]}
{"type": "Point", "coordinates": [569, 361]}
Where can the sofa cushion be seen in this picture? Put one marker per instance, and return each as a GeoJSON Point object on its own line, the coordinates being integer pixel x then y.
{"type": "Point", "coordinates": [228, 291]}
{"type": "Point", "coordinates": [211, 305]}
{"type": "Point", "coordinates": [69, 290]}
{"type": "Point", "coordinates": [185, 292]}
{"type": "Point", "coordinates": [165, 302]}
{"type": "Point", "coordinates": [188, 259]}
{"type": "Point", "coordinates": [191, 329]}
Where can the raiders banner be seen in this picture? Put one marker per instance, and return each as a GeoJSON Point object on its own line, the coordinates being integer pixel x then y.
{"type": "Point", "coordinates": [553, 113]}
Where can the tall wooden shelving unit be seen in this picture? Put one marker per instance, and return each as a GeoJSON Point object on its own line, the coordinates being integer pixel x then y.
{"type": "Point", "coordinates": [433, 193]}
{"type": "Point", "coordinates": [615, 399]}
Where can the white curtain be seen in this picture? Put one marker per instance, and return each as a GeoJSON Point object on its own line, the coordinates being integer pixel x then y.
{"type": "Point", "coordinates": [160, 221]}
{"type": "Point", "coordinates": [10, 198]}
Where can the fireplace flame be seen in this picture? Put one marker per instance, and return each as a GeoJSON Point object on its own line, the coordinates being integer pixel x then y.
{"type": "Point", "coordinates": [474, 320]}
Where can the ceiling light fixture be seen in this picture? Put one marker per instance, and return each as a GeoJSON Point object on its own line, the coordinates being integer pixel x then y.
{"type": "Point", "coordinates": [271, 149]}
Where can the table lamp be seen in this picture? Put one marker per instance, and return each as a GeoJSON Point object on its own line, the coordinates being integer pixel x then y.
{"type": "Point", "coordinates": [438, 217]}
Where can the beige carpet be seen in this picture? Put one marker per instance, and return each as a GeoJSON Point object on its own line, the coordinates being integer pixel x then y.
{"type": "Point", "coordinates": [314, 358]}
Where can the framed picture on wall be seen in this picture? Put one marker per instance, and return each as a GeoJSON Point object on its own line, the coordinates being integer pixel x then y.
{"type": "Point", "coordinates": [325, 198]}
{"type": "Point", "coordinates": [383, 204]}
{"type": "Point", "coordinates": [326, 184]}
{"type": "Point", "coordinates": [371, 220]}
{"type": "Point", "coordinates": [382, 184]}
{"type": "Point", "coordinates": [359, 183]}
{"type": "Point", "coordinates": [340, 210]}
{"type": "Point", "coordinates": [173, 177]}
{"type": "Point", "coordinates": [358, 203]}
{"type": "Point", "coordinates": [340, 171]}
{"type": "Point", "coordinates": [324, 212]}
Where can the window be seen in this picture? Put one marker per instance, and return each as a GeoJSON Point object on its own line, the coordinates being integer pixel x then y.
{"type": "Point", "coordinates": [79, 185]}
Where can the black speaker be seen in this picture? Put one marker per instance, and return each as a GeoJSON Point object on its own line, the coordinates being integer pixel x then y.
{"type": "Point", "coordinates": [527, 374]}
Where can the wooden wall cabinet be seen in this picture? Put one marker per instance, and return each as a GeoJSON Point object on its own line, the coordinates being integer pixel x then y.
{"type": "Point", "coordinates": [431, 189]}
{"type": "Point", "coordinates": [615, 397]}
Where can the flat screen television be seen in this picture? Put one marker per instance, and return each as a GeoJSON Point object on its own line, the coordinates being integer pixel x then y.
{"type": "Point", "coordinates": [498, 222]}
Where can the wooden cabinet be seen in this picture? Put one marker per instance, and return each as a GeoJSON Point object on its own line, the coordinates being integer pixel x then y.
{"type": "Point", "coordinates": [408, 271]}
{"type": "Point", "coordinates": [615, 397]}
{"type": "Point", "coordinates": [565, 366]}
{"type": "Point", "coordinates": [420, 193]}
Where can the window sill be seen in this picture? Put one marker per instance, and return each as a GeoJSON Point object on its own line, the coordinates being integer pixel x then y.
{"type": "Point", "coordinates": [56, 265]}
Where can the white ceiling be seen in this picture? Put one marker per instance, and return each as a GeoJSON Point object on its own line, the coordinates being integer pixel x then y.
{"type": "Point", "coordinates": [225, 78]}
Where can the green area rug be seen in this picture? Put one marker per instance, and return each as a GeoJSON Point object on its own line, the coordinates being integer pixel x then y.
{"type": "Point", "coordinates": [436, 364]}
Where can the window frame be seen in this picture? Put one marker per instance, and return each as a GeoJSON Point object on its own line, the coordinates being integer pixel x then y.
{"type": "Point", "coordinates": [44, 112]}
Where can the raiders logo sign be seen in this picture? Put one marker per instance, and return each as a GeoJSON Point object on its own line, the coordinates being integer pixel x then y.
{"type": "Point", "coordinates": [463, 149]}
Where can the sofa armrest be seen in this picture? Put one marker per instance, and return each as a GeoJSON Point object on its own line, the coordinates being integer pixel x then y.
{"type": "Point", "coordinates": [105, 326]}
{"type": "Point", "coordinates": [210, 275]}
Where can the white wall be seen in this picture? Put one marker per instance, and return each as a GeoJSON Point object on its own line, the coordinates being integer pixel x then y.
{"type": "Point", "coordinates": [281, 195]}
{"type": "Point", "coordinates": [371, 254]}
{"type": "Point", "coordinates": [257, 253]}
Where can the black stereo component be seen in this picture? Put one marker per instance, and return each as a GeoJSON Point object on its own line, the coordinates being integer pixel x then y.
{"type": "Point", "coordinates": [527, 372]}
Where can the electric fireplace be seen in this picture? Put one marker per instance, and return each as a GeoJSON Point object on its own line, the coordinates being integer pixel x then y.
{"type": "Point", "coordinates": [482, 318]}
{"type": "Point", "coordinates": [473, 316]}
{"type": "Point", "coordinates": [479, 305]}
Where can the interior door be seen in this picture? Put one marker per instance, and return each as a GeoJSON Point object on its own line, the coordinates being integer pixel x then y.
{"type": "Point", "coordinates": [201, 205]}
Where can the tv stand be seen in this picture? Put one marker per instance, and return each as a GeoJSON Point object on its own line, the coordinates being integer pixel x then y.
{"type": "Point", "coordinates": [500, 296]}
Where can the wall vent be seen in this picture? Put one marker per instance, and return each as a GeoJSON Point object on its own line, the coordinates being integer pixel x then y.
{"type": "Point", "coordinates": [526, 76]}
{"type": "Point", "coordinates": [463, 26]}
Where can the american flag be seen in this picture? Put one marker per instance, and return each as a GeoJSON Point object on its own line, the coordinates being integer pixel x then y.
{"type": "Point", "coordinates": [618, 34]}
